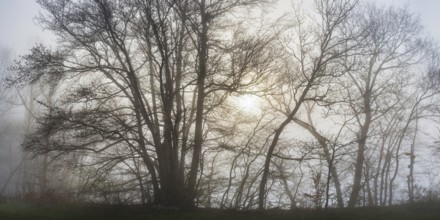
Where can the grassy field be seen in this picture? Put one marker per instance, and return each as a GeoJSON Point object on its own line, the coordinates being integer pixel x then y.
{"type": "Point", "coordinates": [21, 211]}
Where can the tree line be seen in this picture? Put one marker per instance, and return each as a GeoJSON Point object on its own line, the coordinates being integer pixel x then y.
{"type": "Point", "coordinates": [136, 103]}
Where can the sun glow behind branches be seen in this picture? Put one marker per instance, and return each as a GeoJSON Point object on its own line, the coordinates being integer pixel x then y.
{"type": "Point", "coordinates": [248, 104]}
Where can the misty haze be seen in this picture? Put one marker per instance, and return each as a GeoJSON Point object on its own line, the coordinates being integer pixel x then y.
{"type": "Point", "coordinates": [216, 109]}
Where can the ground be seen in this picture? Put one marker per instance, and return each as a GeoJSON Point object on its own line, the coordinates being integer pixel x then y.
{"type": "Point", "coordinates": [22, 211]}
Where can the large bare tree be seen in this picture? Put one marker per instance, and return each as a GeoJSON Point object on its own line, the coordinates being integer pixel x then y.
{"type": "Point", "coordinates": [148, 75]}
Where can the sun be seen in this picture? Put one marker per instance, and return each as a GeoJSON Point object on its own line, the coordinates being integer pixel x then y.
{"type": "Point", "coordinates": [248, 104]}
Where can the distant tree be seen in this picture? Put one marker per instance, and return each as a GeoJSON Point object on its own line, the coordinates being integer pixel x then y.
{"type": "Point", "coordinates": [5, 136]}
{"type": "Point", "coordinates": [5, 61]}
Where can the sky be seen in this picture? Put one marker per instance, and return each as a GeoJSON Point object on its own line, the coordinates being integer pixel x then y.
{"type": "Point", "coordinates": [19, 31]}
{"type": "Point", "coordinates": [429, 11]}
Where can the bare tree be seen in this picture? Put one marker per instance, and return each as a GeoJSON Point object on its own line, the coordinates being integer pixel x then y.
{"type": "Point", "coordinates": [150, 75]}
{"type": "Point", "coordinates": [314, 57]}
{"type": "Point", "coordinates": [390, 46]}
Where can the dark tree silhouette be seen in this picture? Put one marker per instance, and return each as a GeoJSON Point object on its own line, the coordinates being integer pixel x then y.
{"type": "Point", "coordinates": [145, 78]}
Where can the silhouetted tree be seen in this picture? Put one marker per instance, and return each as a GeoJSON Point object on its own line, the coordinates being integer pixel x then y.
{"type": "Point", "coordinates": [148, 75]}
{"type": "Point", "coordinates": [313, 53]}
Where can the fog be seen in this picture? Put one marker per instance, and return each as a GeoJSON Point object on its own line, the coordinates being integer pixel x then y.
{"type": "Point", "coordinates": [233, 105]}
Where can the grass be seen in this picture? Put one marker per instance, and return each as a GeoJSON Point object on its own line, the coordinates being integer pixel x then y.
{"type": "Point", "coordinates": [24, 211]}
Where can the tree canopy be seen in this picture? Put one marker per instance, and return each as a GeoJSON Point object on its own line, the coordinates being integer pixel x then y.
{"type": "Point", "coordinates": [144, 100]}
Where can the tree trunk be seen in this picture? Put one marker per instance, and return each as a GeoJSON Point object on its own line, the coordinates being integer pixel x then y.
{"type": "Point", "coordinates": [329, 158]}
{"type": "Point", "coordinates": [362, 140]}
{"type": "Point", "coordinates": [354, 196]}
{"type": "Point", "coordinates": [201, 75]}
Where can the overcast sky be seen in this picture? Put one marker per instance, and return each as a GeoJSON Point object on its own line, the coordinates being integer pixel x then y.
{"type": "Point", "coordinates": [19, 32]}
{"type": "Point", "coordinates": [429, 11]}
